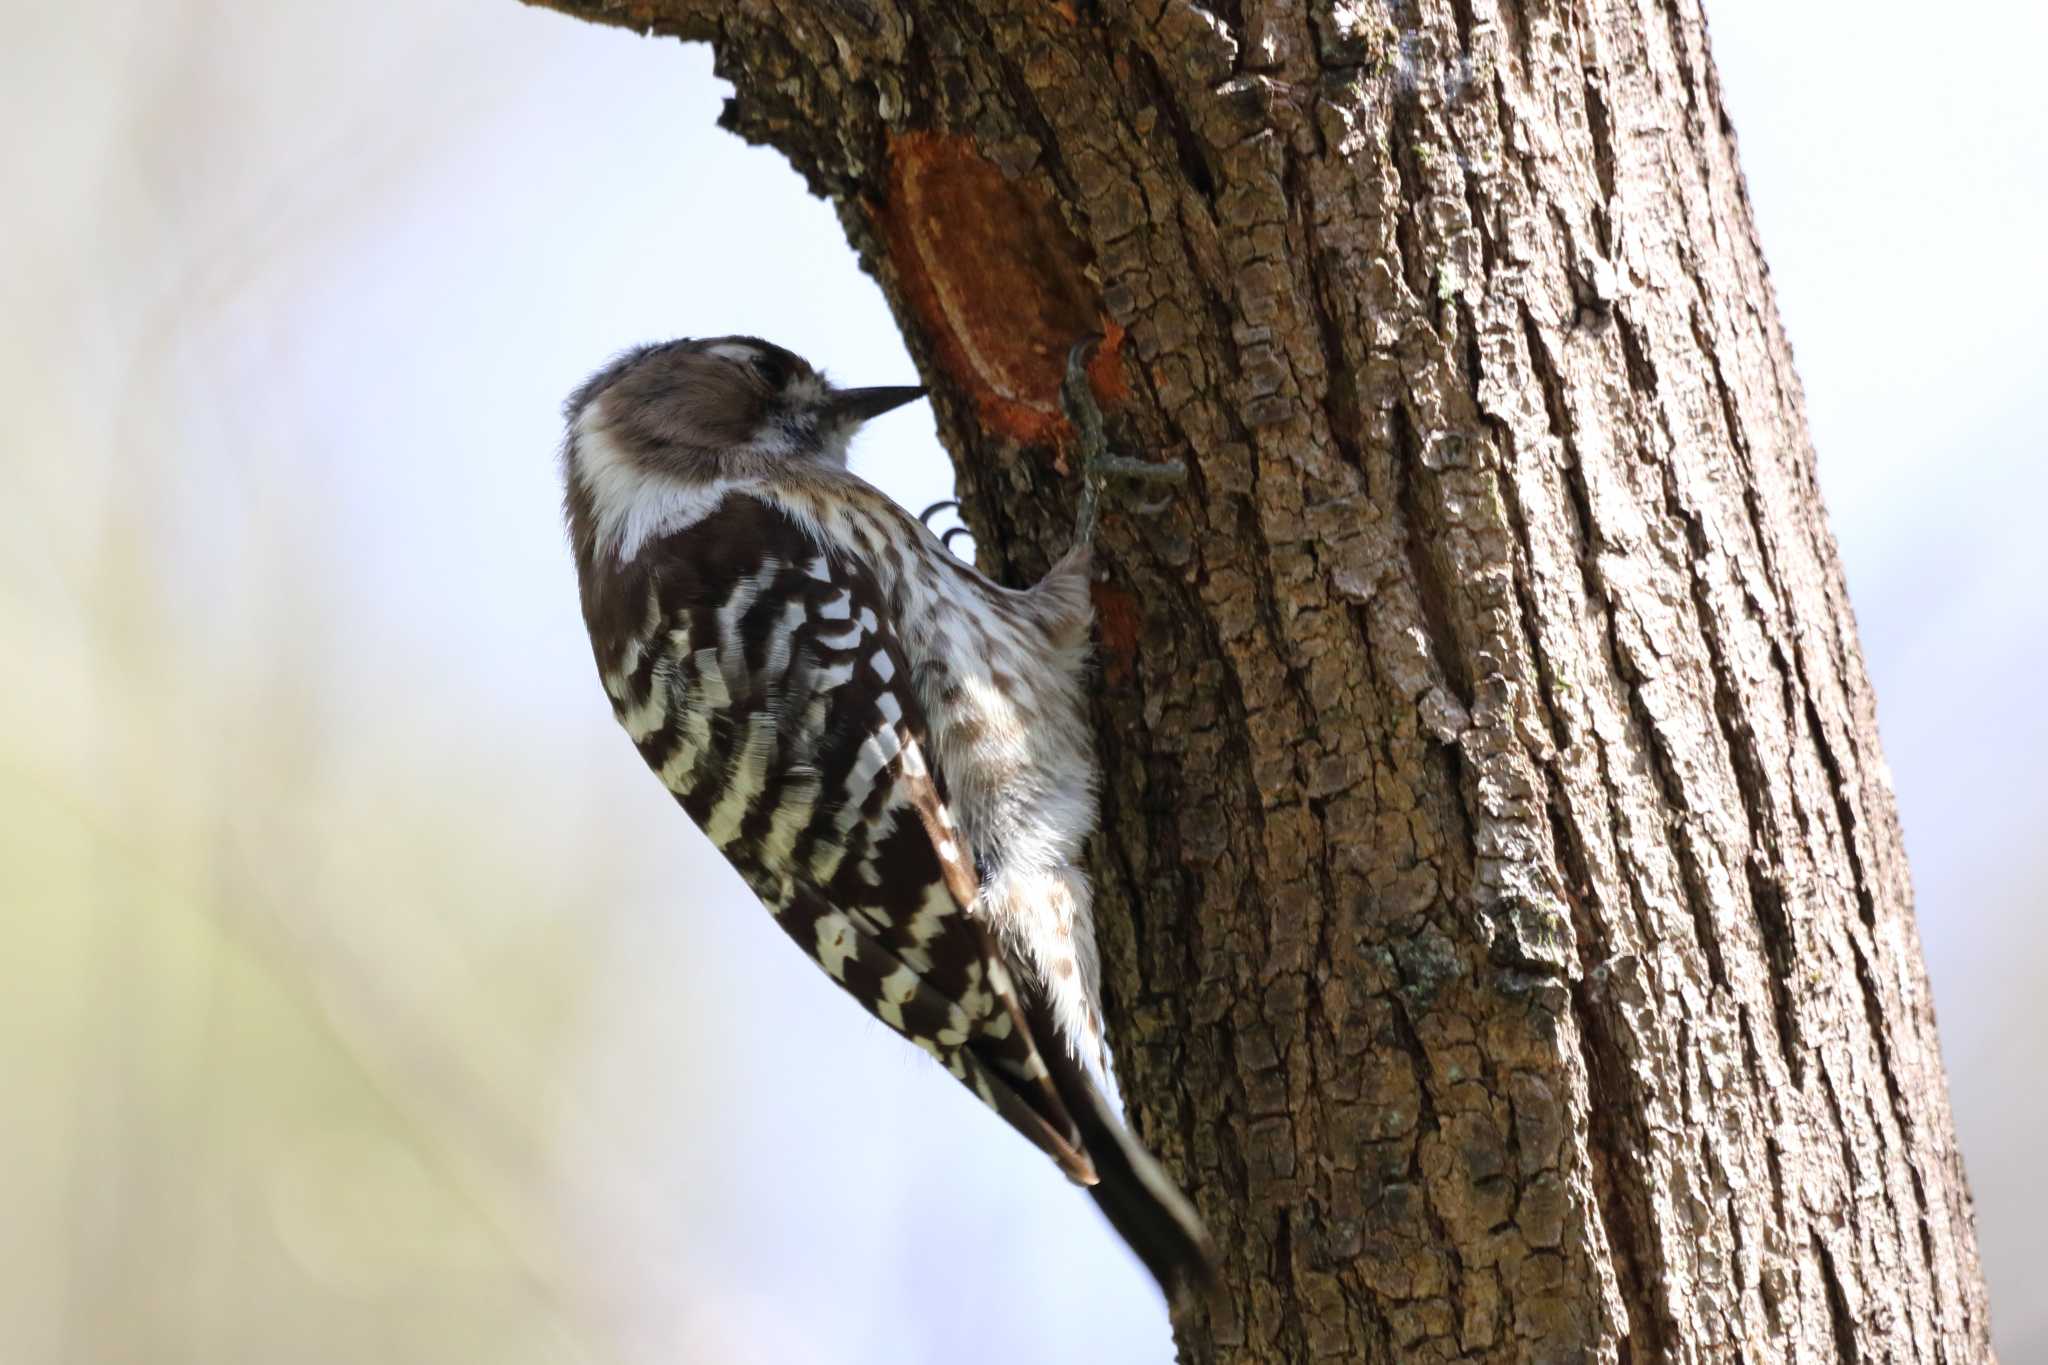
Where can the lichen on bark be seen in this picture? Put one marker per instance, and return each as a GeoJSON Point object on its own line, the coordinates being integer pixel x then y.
{"type": "Point", "coordinates": [1508, 935]}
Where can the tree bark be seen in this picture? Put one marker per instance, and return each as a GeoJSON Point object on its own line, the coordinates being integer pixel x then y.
{"type": "Point", "coordinates": [1508, 935]}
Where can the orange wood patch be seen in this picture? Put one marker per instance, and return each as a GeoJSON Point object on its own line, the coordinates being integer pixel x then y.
{"type": "Point", "coordinates": [998, 281]}
{"type": "Point", "coordinates": [1116, 618]}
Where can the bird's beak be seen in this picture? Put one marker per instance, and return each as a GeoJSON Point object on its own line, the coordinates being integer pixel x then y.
{"type": "Point", "coordinates": [860, 404]}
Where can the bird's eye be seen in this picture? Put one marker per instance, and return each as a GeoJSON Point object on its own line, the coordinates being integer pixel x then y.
{"type": "Point", "coordinates": [773, 368]}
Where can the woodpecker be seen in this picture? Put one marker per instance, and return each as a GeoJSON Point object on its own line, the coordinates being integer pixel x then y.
{"type": "Point", "coordinates": [890, 748]}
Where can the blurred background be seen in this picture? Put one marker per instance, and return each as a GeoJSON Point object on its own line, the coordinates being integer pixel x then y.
{"type": "Point", "coordinates": [360, 996]}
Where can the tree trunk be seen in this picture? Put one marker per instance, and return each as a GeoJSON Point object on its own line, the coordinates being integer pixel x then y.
{"type": "Point", "coordinates": [1508, 935]}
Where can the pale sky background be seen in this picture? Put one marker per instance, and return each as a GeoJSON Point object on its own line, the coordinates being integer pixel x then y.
{"type": "Point", "coordinates": [362, 998]}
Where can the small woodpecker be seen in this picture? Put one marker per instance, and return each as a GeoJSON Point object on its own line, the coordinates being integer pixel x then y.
{"type": "Point", "coordinates": [891, 749]}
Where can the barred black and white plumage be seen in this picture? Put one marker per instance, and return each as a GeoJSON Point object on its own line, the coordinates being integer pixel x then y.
{"type": "Point", "coordinates": [890, 748]}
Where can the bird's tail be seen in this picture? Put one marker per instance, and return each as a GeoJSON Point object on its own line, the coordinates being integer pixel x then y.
{"type": "Point", "coordinates": [1148, 1210]}
{"type": "Point", "coordinates": [1133, 1191]}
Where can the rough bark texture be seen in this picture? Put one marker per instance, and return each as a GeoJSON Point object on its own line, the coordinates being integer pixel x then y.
{"type": "Point", "coordinates": [1508, 933]}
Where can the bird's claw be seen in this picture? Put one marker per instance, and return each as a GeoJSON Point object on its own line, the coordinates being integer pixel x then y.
{"type": "Point", "coordinates": [1077, 396]}
{"type": "Point", "coordinates": [946, 537]}
{"type": "Point", "coordinates": [1106, 466]}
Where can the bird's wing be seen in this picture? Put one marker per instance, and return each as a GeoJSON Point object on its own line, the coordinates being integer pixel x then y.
{"type": "Point", "coordinates": [763, 679]}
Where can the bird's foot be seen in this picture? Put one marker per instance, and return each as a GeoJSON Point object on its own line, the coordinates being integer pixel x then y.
{"type": "Point", "coordinates": [1100, 466]}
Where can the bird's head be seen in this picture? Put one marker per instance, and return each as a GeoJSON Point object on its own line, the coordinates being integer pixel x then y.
{"type": "Point", "coordinates": [699, 405]}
